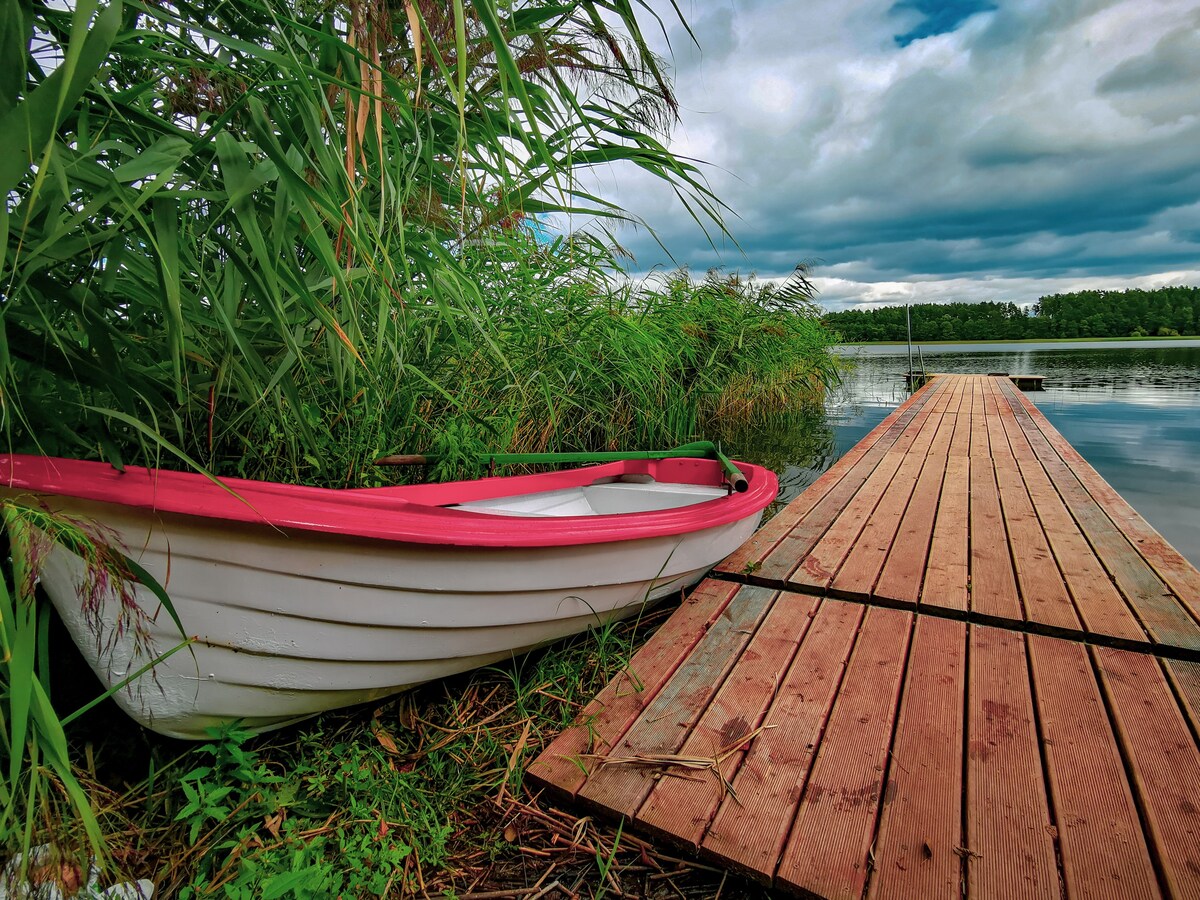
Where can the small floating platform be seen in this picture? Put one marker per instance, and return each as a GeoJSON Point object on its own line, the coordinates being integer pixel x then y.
{"type": "Point", "coordinates": [1025, 382]}
{"type": "Point", "coordinates": [957, 665]}
{"type": "Point", "coordinates": [1028, 382]}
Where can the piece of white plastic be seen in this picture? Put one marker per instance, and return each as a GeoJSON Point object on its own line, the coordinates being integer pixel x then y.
{"type": "Point", "coordinates": [50, 889]}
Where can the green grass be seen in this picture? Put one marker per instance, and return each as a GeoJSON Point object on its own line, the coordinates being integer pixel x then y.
{"type": "Point", "coordinates": [421, 795]}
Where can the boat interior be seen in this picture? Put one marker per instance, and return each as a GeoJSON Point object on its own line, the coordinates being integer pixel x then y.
{"type": "Point", "coordinates": [606, 497]}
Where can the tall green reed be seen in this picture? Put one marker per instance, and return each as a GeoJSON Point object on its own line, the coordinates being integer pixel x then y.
{"type": "Point", "coordinates": [278, 239]}
{"type": "Point", "coordinates": [221, 212]}
{"type": "Point", "coordinates": [234, 237]}
{"type": "Point", "coordinates": [594, 363]}
{"type": "Point", "coordinates": [37, 777]}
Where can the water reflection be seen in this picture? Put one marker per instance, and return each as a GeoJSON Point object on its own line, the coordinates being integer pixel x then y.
{"type": "Point", "coordinates": [1133, 412]}
{"type": "Point", "coordinates": [799, 447]}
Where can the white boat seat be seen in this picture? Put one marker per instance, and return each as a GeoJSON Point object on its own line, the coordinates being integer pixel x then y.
{"type": "Point", "coordinates": [597, 500]}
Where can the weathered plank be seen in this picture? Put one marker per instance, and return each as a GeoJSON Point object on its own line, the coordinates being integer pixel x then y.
{"type": "Point", "coordinates": [917, 851]}
{"type": "Point", "coordinates": [1157, 608]}
{"type": "Point", "coordinates": [605, 719]}
{"type": "Point", "coordinates": [980, 446]}
{"type": "Point", "coordinates": [993, 585]}
{"type": "Point", "coordinates": [794, 547]}
{"type": "Point", "coordinates": [1098, 603]}
{"type": "Point", "coordinates": [1043, 590]}
{"type": "Point", "coordinates": [748, 833]}
{"type": "Point", "coordinates": [1010, 848]}
{"type": "Point", "coordinates": [666, 720]}
{"type": "Point", "coordinates": [948, 570]}
{"type": "Point", "coordinates": [1180, 575]}
{"type": "Point", "coordinates": [1094, 809]}
{"type": "Point", "coordinates": [819, 564]}
{"type": "Point", "coordinates": [960, 442]}
{"type": "Point", "coordinates": [981, 758]}
{"type": "Point", "coordinates": [857, 575]}
{"type": "Point", "coordinates": [681, 808]}
{"type": "Point", "coordinates": [915, 547]}
{"type": "Point", "coordinates": [997, 438]}
{"type": "Point", "coordinates": [1163, 760]}
{"type": "Point", "coordinates": [827, 852]}
{"type": "Point", "coordinates": [904, 569]}
{"type": "Point", "coordinates": [880, 439]}
{"type": "Point", "coordinates": [1186, 677]}
{"type": "Point", "coordinates": [954, 391]}
{"type": "Point", "coordinates": [840, 512]}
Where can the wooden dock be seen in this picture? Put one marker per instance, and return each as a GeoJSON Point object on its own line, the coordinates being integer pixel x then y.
{"type": "Point", "coordinates": [957, 665]}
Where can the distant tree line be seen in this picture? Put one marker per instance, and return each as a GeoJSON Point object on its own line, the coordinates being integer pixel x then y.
{"type": "Point", "coordinates": [1166, 312]}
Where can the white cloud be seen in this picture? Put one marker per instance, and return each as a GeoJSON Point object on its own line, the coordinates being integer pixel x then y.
{"type": "Point", "coordinates": [1037, 144]}
{"type": "Point", "coordinates": [846, 293]}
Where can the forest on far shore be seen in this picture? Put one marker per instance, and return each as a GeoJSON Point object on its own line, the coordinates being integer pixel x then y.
{"type": "Point", "coordinates": [1165, 312]}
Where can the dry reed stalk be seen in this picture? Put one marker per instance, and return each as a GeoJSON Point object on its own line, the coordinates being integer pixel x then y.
{"type": "Point", "coordinates": [668, 760]}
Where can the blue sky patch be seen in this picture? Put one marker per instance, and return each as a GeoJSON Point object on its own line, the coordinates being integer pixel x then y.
{"type": "Point", "coordinates": [939, 16]}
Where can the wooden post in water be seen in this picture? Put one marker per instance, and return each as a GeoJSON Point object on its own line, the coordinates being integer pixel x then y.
{"type": "Point", "coordinates": [908, 323]}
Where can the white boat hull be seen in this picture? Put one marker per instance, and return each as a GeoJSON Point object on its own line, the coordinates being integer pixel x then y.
{"type": "Point", "coordinates": [286, 625]}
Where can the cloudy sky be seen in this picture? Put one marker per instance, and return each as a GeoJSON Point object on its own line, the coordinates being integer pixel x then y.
{"type": "Point", "coordinates": [922, 150]}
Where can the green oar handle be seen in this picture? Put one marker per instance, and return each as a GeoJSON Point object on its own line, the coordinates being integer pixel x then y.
{"type": "Point", "coordinates": [733, 475]}
{"type": "Point", "coordinates": [695, 450]}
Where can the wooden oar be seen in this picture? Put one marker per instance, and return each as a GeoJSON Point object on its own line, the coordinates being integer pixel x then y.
{"type": "Point", "coordinates": [695, 450]}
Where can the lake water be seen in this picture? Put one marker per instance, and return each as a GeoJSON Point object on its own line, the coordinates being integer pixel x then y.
{"type": "Point", "coordinates": [1132, 409]}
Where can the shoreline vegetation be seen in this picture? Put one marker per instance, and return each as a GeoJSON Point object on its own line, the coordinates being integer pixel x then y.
{"type": "Point", "coordinates": [1165, 312]}
{"type": "Point", "coordinates": [1147, 338]}
{"type": "Point", "coordinates": [279, 240]}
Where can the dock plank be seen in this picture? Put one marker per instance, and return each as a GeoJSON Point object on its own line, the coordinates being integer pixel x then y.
{"type": "Point", "coordinates": [865, 453]}
{"type": "Point", "coordinates": [827, 853]}
{"type": "Point", "coordinates": [786, 555]}
{"type": "Point", "coordinates": [907, 557]}
{"type": "Point", "coordinates": [1180, 575]}
{"type": "Point", "coordinates": [980, 445]}
{"type": "Point", "coordinates": [1010, 850]}
{"type": "Point", "coordinates": [993, 584]}
{"type": "Point", "coordinates": [1152, 601]}
{"type": "Point", "coordinates": [946, 577]}
{"type": "Point", "coordinates": [861, 567]}
{"type": "Point", "coordinates": [1186, 677]}
{"type": "Point", "coordinates": [997, 438]}
{"type": "Point", "coordinates": [1163, 760]}
{"type": "Point", "coordinates": [953, 394]}
{"type": "Point", "coordinates": [819, 539]}
{"type": "Point", "coordinates": [1098, 603]}
{"type": "Point", "coordinates": [606, 718]}
{"type": "Point", "coordinates": [859, 570]}
{"type": "Point", "coordinates": [1094, 808]}
{"type": "Point", "coordinates": [665, 722]}
{"type": "Point", "coordinates": [820, 564]}
{"type": "Point", "coordinates": [893, 555]}
{"type": "Point", "coordinates": [679, 808]}
{"type": "Point", "coordinates": [960, 441]}
{"type": "Point", "coordinates": [1048, 745]}
{"type": "Point", "coordinates": [920, 830]}
{"type": "Point", "coordinates": [1043, 589]}
{"type": "Point", "coordinates": [748, 834]}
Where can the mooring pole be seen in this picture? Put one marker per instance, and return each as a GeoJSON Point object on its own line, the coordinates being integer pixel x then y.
{"type": "Point", "coordinates": [908, 322]}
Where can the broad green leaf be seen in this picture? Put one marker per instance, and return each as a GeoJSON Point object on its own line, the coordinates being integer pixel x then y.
{"type": "Point", "coordinates": [16, 30]}
{"type": "Point", "coordinates": [160, 159]}
{"type": "Point", "coordinates": [27, 128]}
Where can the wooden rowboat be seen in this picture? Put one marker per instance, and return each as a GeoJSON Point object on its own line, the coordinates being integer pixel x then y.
{"type": "Point", "coordinates": [304, 599]}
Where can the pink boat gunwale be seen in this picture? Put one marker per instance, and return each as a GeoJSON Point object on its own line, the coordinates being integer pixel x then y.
{"type": "Point", "coordinates": [419, 514]}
